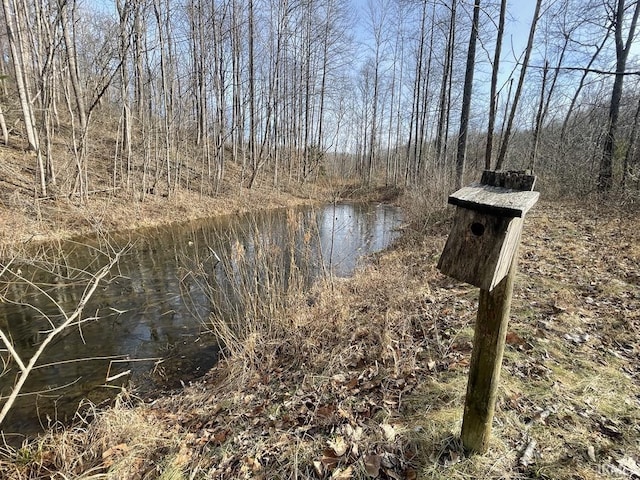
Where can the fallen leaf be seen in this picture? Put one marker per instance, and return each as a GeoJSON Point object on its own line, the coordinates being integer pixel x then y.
{"type": "Point", "coordinates": [372, 465]}
{"type": "Point", "coordinates": [329, 459]}
{"type": "Point", "coordinates": [354, 433]}
{"type": "Point", "coordinates": [115, 450]}
{"type": "Point", "coordinates": [389, 432]}
{"type": "Point", "coordinates": [253, 464]}
{"type": "Point", "coordinates": [183, 457]}
{"type": "Point", "coordinates": [353, 383]}
{"type": "Point", "coordinates": [339, 446]}
{"type": "Point", "coordinates": [107, 455]}
{"type": "Point", "coordinates": [326, 411]}
{"type": "Point", "coordinates": [343, 474]}
{"type": "Point", "coordinates": [514, 339]}
{"type": "Point", "coordinates": [221, 436]}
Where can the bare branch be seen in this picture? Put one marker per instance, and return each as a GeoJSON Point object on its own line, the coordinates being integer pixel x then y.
{"type": "Point", "coordinates": [69, 320]}
{"type": "Point", "coordinates": [597, 71]}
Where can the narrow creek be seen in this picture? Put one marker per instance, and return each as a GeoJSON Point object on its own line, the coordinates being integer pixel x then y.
{"type": "Point", "coordinates": [149, 320]}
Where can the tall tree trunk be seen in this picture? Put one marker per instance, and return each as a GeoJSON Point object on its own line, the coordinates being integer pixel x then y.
{"type": "Point", "coordinates": [605, 175]}
{"type": "Point", "coordinates": [523, 71]}
{"type": "Point", "coordinates": [444, 94]}
{"type": "Point", "coordinates": [68, 21]}
{"type": "Point", "coordinates": [306, 78]}
{"type": "Point", "coordinates": [18, 47]}
{"type": "Point", "coordinates": [533, 153]}
{"type": "Point", "coordinates": [493, 100]}
{"type": "Point", "coordinates": [466, 96]}
{"type": "Point", "coordinates": [421, 134]}
{"type": "Point", "coordinates": [253, 150]}
{"type": "Point", "coordinates": [124, 12]}
{"type": "Point", "coordinates": [415, 104]}
{"type": "Point", "coordinates": [220, 84]}
{"type": "Point", "coordinates": [164, 41]}
{"type": "Point", "coordinates": [377, 18]}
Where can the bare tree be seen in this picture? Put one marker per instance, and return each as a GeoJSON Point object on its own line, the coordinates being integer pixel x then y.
{"type": "Point", "coordinates": [14, 14]}
{"type": "Point", "coordinates": [445, 92]}
{"type": "Point", "coordinates": [466, 96]}
{"type": "Point", "coordinates": [623, 46]}
{"type": "Point", "coordinates": [493, 101]}
{"type": "Point", "coordinates": [523, 71]}
{"type": "Point", "coordinates": [533, 152]}
{"type": "Point", "coordinates": [377, 22]}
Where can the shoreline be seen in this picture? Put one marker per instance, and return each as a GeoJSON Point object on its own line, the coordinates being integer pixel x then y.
{"type": "Point", "coordinates": [63, 219]}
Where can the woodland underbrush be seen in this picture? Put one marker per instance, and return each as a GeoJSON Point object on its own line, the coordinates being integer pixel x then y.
{"type": "Point", "coordinates": [365, 377]}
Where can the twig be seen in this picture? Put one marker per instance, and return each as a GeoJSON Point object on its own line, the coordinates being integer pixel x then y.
{"type": "Point", "coordinates": [74, 360]}
{"type": "Point", "coordinates": [118, 375]}
{"type": "Point", "coordinates": [49, 390]}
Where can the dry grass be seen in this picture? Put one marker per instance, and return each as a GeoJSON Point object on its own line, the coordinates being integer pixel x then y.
{"type": "Point", "coordinates": [366, 377]}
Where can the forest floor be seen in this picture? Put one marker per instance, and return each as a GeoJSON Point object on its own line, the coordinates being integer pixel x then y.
{"type": "Point", "coordinates": [365, 377]}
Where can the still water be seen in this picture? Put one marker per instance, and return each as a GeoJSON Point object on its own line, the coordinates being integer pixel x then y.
{"type": "Point", "coordinates": [149, 322]}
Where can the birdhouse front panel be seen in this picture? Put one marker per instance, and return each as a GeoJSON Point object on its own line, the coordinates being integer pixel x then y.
{"type": "Point", "coordinates": [480, 247]}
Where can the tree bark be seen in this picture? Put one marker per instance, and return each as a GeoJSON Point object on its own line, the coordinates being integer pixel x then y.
{"type": "Point", "coordinates": [605, 175]}
{"type": "Point", "coordinates": [466, 96]}
{"type": "Point", "coordinates": [493, 100]}
{"type": "Point", "coordinates": [446, 75]}
{"type": "Point", "coordinates": [523, 71]}
{"type": "Point", "coordinates": [533, 153]}
{"type": "Point", "coordinates": [17, 47]}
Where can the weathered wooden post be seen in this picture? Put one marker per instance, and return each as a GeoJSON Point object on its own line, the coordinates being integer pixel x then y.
{"type": "Point", "coordinates": [482, 250]}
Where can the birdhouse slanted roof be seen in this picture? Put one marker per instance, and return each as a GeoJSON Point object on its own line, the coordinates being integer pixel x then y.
{"type": "Point", "coordinates": [499, 201]}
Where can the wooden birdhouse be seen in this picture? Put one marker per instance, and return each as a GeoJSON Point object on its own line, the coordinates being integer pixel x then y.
{"type": "Point", "coordinates": [486, 227]}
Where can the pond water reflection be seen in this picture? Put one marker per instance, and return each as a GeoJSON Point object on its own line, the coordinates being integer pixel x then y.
{"type": "Point", "coordinates": [152, 312]}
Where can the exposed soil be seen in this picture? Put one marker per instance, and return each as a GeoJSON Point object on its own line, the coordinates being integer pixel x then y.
{"type": "Point", "coordinates": [366, 377]}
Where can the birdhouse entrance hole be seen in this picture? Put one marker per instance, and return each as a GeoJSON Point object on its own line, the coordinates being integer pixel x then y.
{"type": "Point", "coordinates": [477, 229]}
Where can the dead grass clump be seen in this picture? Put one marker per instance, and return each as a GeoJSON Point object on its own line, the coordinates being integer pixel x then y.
{"type": "Point", "coordinates": [120, 442]}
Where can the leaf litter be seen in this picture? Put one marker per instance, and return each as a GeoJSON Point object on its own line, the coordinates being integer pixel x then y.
{"type": "Point", "coordinates": [368, 380]}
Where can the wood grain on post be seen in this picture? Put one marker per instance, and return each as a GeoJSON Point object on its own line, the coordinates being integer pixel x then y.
{"type": "Point", "coordinates": [486, 362]}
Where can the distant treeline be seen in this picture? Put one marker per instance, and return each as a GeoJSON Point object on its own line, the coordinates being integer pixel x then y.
{"type": "Point", "coordinates": [149, 95]}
